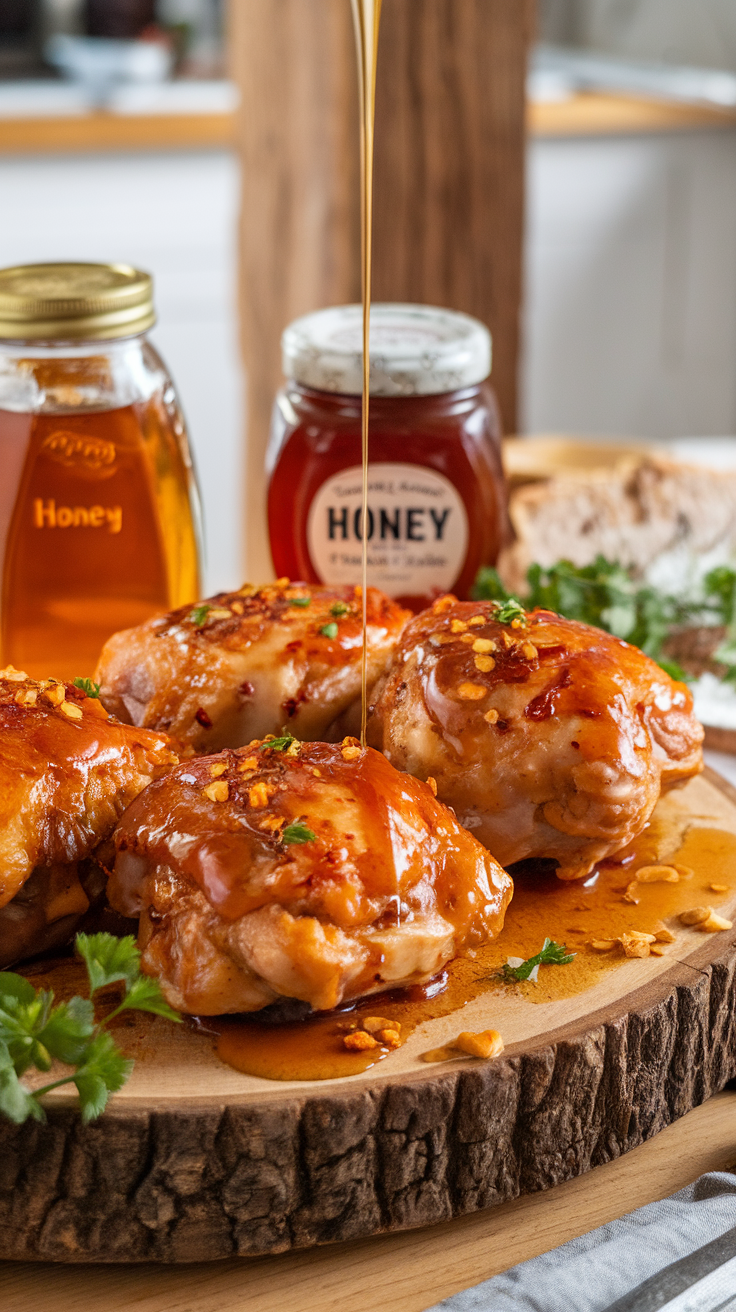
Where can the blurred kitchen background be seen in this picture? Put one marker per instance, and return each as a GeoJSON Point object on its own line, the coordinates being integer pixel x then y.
{"type": "Point", "coordinates": [116, 131]}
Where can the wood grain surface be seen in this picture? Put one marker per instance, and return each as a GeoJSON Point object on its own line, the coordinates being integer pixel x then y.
{"type": "Point", "coordinates": [599, 114]}
{"type": "Point", "coordinates": [102, 131]}
{"type": "Point", "coordinates": [449, 179]}
{"type": "Point", "coordinates": [404, 1272]}
{"type": "Point", "coordinates": [194, 1161]}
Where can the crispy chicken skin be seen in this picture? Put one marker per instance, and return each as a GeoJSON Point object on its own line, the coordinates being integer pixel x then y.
{"type": "Point", "coordinates": [245, 663]}
{"type": "Point", "coordinates": [309, 871]}
{"type": "Point", "coordinates": [549, 738]}
{"type": "Point", "coordinates": [67, 773]}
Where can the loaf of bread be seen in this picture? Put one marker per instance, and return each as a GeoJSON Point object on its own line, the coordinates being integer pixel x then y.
{"type": "Point", "coordinates": [647, 511]}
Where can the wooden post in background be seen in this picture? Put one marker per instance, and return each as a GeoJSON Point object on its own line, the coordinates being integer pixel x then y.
{"type": "Point", "coordinates": [448, 181]}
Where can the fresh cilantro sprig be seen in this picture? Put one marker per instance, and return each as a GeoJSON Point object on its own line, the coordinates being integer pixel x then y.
{"type": "Point", "coordinates": [606, 595]}
{"type": "Point", "coordinates": [297, 833]}
{"type": "Point", "coordinates": [35, 1033]}
{"type": "Point", "coordinates": [281, 744]}
{"type": "Point", "coordinates": [88, 686]}
{"type": "Point", "coordinates": [509, 610]}
{"type": "Point", "coordinates": [198, 615]}
{"type": "Point", "coordinates": [552, 954]}
{"type": "Point", "coordinates": [300, 601]}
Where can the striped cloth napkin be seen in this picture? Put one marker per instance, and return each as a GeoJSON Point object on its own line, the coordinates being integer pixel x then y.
{"type": "Point", "coordinates": [678, 1255]}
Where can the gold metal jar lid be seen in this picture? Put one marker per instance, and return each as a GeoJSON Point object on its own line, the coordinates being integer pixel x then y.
{"type": "Point", "coordinates": [79, 302]}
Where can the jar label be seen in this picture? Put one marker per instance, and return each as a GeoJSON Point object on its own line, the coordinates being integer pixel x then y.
{"type": "Point", "coordinates": [417, 529]}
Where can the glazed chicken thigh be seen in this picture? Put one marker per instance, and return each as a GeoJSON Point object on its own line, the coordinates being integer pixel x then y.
{"type": "Point", "coordinates": [67, 772]}
{"type": "Point", "coordinates": [549, 738]}
{"type": "Point", "coordinates": [308, 871]}
{"type": "Point", "coordinates": [245, 663]}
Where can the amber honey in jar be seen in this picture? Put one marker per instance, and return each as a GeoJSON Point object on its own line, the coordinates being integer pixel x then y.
{"type": "Point", "coordinates": [99, 520]}
{"type": "Point", "coordinates": [436, 491]}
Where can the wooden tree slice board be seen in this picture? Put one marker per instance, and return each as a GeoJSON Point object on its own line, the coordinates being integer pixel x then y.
{"type": "Point", "coordinates": [193, 1161]}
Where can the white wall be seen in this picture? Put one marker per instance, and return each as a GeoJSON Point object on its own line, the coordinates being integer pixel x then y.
{"type": "Point", "coordinates": [175, 215]}
{"type": "Point", "coordinates": [630, 317]}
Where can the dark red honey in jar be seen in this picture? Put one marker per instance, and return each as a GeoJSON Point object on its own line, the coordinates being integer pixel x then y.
{"type": "Point", "coordinates": [436, 493]}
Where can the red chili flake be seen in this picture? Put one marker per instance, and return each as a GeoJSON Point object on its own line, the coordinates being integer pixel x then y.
{"type": "Point", "coordinates": [246, 689]}
{"type": "Point", "coordinates": [543, 706]}
{"type": "Point", "coordinates": [203, 718]}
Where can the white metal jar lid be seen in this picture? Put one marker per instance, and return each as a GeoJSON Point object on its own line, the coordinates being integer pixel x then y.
{"type": "Point", "coordinates": [416, 350]}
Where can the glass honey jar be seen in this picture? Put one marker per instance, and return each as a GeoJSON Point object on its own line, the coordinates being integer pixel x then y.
{"type": "Point", "coordinates": [436, 493]}
{"type": "Point", "coordinates": [99, 512]}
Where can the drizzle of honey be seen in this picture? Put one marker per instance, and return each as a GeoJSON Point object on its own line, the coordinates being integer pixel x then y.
{"type": "Point", "coordinates": [542, 907]}
{"type": "Point", "coordinates": [366, 20]}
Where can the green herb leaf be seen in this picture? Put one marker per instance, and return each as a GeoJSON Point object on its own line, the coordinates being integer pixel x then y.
{"type": "Point", "coordinates": [68, 1030]}
{"type": "Point", "coordinates": [278, 744]}
{"type": "Point", "coordinates": [329, 630]}
{"type": "Point", "coordinates": [297, 833]}
{"type": "Point", "coordinates": [552, 954]}
{"type": "Point", "coordinates": [506, 611]}
{"type": "Point", "coordinates": [35, 1033]}
{"type": "Point", "coordinates": [300, 601]}
{"type": "Point", "coordinates": [145, 994]}
{"type": "Point", "coordinates": [108, 959]}
{"type": "Point", "coordinates": [339, 608]}
{"type": "Point", "coordinates": [16, 1102]}
{"type": "Point", "coordinates": [103, 1072]}
{"type": "Point", "coordinates": [199, 614]}
{"type": "Point", "coordinates": [88, 686]}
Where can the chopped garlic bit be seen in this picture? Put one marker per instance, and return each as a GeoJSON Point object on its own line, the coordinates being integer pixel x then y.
{"type": "Point", "coordinates": [218, 613]}
{"type": "Point", "coordinates": [217, 791]}
{"type": "Point", "coordinates": [218, 768]}
{"type": "Point", "coordinates": [482, 645]}
{"type": "Point", "coordinates": [71, 711]}
{"type": "Point", "coordinates": [476, 619]}
{"type": "Point", "coordinates": [486, 1044]}
{"type": "Point", "coordinates": [54, 694]}
{"type": "Point", "coordinates": [26, 697]}
{"type": "Point", "coordinates": [458, 626]}
{"type": "Point", "coordinates": [374, 1023]}
{"type": "Point", "coordinates": [350, 749]}
{"type": "Point", "coordinates": [695, 915]}
{"type": "Point", "coordinates": [471, 692]}
{"type": "Point", "coordinates": [12, 675]}
{"type": "Point", "coordinates": [491, 716]}
{"type": "Point", "coordinates": [360, 1041]}
{"type": "Point", "coordinates": [657, 875]}
{"type": "Point", "coordinates": [484, 664]}
{"type": "Point", "coordinates": [258, 795]}
{"type": "Point", "coordinates": [432, 783]}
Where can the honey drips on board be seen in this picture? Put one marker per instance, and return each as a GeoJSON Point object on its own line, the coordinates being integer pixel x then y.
{"type": "Point", "coordinates": [573, 913]}
{"type": "Point", "coordinates": [366, 19]}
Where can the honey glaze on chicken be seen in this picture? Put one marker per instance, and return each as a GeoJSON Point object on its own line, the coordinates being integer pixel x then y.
{"type": "Point", "coordinates": [244, 663]}
{"type": "Point", "coordinates": [549, 738]}
{"type": "Point", "coordinates": [67, 772]}
{"type": "Point", "coordinates": [306, 871]}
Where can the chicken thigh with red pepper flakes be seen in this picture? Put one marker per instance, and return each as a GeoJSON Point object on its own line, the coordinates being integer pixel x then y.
{"type": "Point", "coordinates": [549, 738]}
{"type": "Point", "coordinates": [67, 773]}
{"type": "Point", "coordinates": [245, 663]}
{"type": "Point", "coordinates": [307, 871]}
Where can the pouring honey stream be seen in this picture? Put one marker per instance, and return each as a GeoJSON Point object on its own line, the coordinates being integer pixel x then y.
{"type": "Point", "coordinates": [366, 20]}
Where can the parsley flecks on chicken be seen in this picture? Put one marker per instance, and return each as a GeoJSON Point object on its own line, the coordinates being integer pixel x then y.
{"type": "Point", "coordinates": [245, 663]}
{"type": "Point", "coordinates": [549, 738]}
{"type": "Point", "coordinates": [311, 871]}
